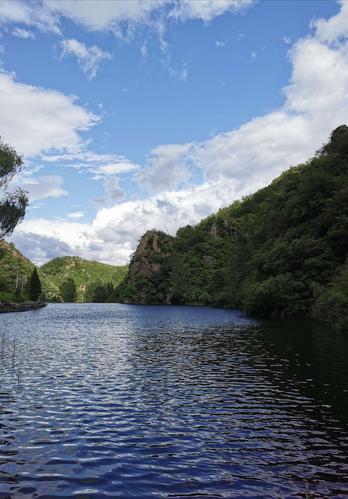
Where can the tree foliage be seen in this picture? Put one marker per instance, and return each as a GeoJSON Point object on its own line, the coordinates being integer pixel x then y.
{"type": "Point", "coordinates": [99, 292]}
{"type": "Point", "coordinates": [68, 290]}
{"type": "Point", "coordinates": [34, 286]}
{"type": "Point", "coordinates": [85, 273]}
{"type": "Point", "coordinates": [281, 252]}
{"type": "Point", "coordinates": [12, 204]}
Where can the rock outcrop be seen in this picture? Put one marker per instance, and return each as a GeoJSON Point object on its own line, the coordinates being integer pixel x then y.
{"type": "Point", "coordinates": [149, 269]}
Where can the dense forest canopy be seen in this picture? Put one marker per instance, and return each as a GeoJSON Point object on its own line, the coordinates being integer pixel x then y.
{"type": "Point", "coordinates": [281, 252]}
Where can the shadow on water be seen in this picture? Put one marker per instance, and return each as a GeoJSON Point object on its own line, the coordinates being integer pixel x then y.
{"type": "Point", "coordinates": [313, 355]}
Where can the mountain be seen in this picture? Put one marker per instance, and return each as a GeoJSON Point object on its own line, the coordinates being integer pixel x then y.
{"type": "Point", "coordinates": [281, 252]}
{"type": "Point", "coordinates": [15, 270]}
{"type": "Point", "coordinates": [149, 276]}
{"type": "Point", "coordinates": [85, 273]}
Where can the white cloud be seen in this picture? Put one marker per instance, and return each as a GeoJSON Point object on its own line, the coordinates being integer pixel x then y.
{"type": "Point", "coordinates": [166, 168]}
{"type": "Point", "coordinates": [44, 187]}
{"type": "Point", "coordinates": [111, 15]}
{"type": "Point", "coordinates": [74, 234]}
{"type": "Point", "coordinates": [28, 13]}
{"type": "Point", "coordinates": [39, 248]}
{"type": "Point", "coordinates": [75, 215]}
{"type": "Point", "coordinates": [34, 119]}
{"type": "Point", "coordinates": [101, 165]}
{"type": "Point", "coordinates": [22, 33]}
{"type": "Point", "coordinates": [113, 189]}
{"type": "Point", "coordinates": [206, 10]}
{"type": "Point", "coordinates": [336, 28]}
{"type": "Point", "coordinates": [219, 43]}
{"type": "Point", "coordinates": [104, 14]}
{"type": "Point", "coordinates": [234, 163]}
{"type": "Point", "coordinates": [113, 234]}
{"type": "Point", "coordinates": [315, 103]}
{"type": "Point", "coordinates": [89, 58]}
{"type": "Point", "coordinates": [117, 168]}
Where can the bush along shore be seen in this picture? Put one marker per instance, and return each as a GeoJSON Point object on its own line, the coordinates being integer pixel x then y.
{"type": "Point", "coordinates": [21, 307]}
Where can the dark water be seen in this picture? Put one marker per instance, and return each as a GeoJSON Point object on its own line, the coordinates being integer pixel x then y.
{"type": "Point", "coordinates": [126, 401]}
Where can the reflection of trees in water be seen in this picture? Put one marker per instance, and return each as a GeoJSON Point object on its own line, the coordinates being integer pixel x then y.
{"type": "Point", "coordinates": [308, 361]}
{"type": "Point", "coordinates": [310, 355]}
{"type": "Point", "coordinates": [252, 386]}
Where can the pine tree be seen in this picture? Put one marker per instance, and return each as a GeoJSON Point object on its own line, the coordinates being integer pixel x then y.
{"type": "Point", "coordinates": [34, 286]}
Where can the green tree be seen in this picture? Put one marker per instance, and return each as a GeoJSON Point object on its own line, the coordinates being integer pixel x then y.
{"type": "Point", "coordinates": [280, 252]}
{"type": "Point", "coordinates": [34, 286]}
{"type": "Point", "coordinates": [12, 204]}
{"type": "Point", "coordinates": [68, 290]}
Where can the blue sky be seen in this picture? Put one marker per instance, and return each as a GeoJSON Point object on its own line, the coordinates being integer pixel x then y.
{"type": "Point", "coordinates": [139, 114]}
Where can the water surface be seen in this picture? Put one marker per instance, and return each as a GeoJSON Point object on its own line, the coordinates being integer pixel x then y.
{"type": "Point", "coordinates": [108, 400]}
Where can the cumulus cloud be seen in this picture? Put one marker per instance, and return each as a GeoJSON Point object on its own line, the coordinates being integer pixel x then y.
{"type": "Point", "coordinates": [206, 10]}
{"type": "Point", "coordinates": [33, 13]}
{"type": "Point", "coordinates": [111, 15]}
{"type": "Point", "coordinates": [89, 58]}
{"type": "Point", "coordinates": [114, 233]}
{"type": "Point", "coordinates": [255, 153]}
{"type": "Point", "coordinates": [166, 168]}
{"type": "Point", "coordinates": [44, 187]}
{"type": "Point", "coordinates": [40, 248]}
{"type": "Point", "coordinates": [104, 14]}
{"type": "Point", "coordinates": [34, 119]}
{"type": "Point", "coordinates": [233, 163]}
{"type": "Point", "coordinates": [336, 28]}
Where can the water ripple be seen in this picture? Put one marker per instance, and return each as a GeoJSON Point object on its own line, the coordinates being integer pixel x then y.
{"type": "Point", "coordinates": [126, 401]}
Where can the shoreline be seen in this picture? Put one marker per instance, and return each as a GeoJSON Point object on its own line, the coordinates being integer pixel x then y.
{"type": "Point", "coordinates": [20, 307]}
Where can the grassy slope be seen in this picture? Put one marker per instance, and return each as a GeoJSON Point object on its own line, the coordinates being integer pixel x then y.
{"type": "Point", "coordinates": [82, 271]}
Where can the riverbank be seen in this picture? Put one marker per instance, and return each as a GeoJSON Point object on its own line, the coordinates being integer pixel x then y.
{"type": "Point", "coordinates": [21, 307]}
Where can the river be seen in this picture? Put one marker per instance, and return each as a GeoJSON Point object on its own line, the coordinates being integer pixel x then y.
{"type": "Point", "coordinates": [107, 400]}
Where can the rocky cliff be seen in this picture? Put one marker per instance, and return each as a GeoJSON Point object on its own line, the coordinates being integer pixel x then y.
{"type": "Point", "coordinates": [147, 280]}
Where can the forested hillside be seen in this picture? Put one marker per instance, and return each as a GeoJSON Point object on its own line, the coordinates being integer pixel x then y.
{"type": "Point", "coordinates": [93, 280]}
{"type": "Point", "coordinates": [281, 252]}
{"type": "Point", "coordinates": [15, 271]}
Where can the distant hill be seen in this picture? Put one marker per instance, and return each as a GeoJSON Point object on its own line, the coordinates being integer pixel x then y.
{"type": "Point", "coordinates": [83, 272]}
{"type": "Point", "coordinates": [15, 270]}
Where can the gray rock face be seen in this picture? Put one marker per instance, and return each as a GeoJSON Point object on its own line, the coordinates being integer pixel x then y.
{"type": "Point", "coordinates": [146, 268]}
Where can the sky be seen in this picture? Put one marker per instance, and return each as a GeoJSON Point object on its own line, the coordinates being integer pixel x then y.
{"type": "Point", "coordinates": [140, 114]}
